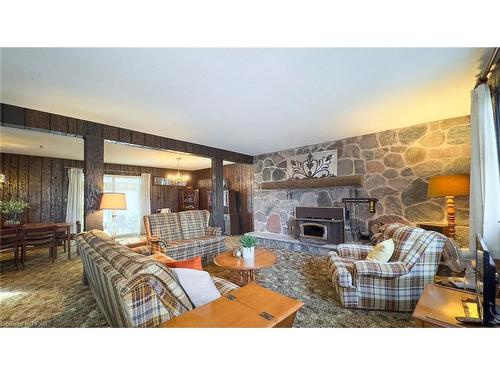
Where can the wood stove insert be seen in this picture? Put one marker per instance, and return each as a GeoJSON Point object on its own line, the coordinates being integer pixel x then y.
{"type": "Point", "coordinates": [319, 225]}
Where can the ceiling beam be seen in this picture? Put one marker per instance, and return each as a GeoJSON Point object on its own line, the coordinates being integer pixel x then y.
{"type": "Point", "coordinates": [26, 118]}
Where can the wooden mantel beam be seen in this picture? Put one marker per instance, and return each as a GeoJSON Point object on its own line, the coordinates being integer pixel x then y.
{"type": "Point", "coordinates": [26, 118]}
{"type": "Point", "coordinates": [311, 183]}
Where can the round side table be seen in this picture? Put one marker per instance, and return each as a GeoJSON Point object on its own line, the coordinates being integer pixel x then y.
{"type": "Point", "coordinates": [246, 268]}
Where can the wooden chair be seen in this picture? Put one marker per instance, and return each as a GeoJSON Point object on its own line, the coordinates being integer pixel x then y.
{"type": "Point", "coordinates": [62, 237]}
{"type": "Point", "coordinates": [40, 237]}
{"type": "Point", "coordinates": [78, 230]}
{"type": "Point", "coordinates": [10, 241]}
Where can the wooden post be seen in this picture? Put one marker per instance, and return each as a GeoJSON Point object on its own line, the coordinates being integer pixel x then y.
{"type": "Point", "coordinates": [94, 180]}
{"type": "Point", "coordinates": [218, 193]}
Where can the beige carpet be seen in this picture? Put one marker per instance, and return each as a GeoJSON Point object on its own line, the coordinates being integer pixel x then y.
{"type": "Point", "coordinates": [51, 295]}
{"type": "Point", "coordinates": [46, 294]}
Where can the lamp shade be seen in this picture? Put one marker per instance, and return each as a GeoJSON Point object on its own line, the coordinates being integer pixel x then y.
{"type": "Point", "coordinates": [113, 201]}
{"type": "Point", "coordinates": [454, 185]}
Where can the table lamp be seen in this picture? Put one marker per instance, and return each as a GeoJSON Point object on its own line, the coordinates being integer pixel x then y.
{"type": "Point", "coordinates": [449, 187]}
{"type": "Point", "coordinates": [113, 202]}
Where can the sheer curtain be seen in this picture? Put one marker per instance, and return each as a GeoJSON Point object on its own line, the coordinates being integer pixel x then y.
{"type": "Point", "coordinates": [484, 213]}
{"type": "Point", "coordinates": [74, 208]}
{"type": "Point", "coordinates": [145, 198]}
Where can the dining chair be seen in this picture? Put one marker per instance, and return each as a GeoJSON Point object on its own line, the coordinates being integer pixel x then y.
{"type": "Point", "coordinates": [62, 237]}
{"type": "Point", "coordinates": [10, 241]}
{"type": "Point", "coordinates": [40, 237]}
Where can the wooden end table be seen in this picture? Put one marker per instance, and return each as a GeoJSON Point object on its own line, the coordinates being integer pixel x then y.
{"type": "Point", "coordinates": [263, 258]}
{"type": "Point", "coordinates": [439, 305]}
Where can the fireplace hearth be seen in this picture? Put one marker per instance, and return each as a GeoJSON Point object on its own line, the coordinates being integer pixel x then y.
{"type": "Point", "coordinates": [319, 225]}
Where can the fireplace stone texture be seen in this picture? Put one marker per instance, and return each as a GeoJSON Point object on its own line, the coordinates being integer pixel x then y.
{"type": "Point", "coordinates": [397, 165]}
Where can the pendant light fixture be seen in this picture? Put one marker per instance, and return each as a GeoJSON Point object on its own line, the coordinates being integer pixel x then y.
{"type": "Point", "coordinates": [179, 180]}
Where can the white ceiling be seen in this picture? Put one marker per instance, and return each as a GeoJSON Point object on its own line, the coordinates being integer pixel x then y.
{"type": "Point", "coordinates": [246, 100]}
{"type": "Point", "coordinates": [27, 142]}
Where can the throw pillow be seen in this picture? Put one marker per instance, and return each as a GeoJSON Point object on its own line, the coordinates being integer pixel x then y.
{"type": "Point", "coordinates": [198, 285]}
{"type": "Point", "coordinates": [193, 263]}
{"type": "Point", "coordinates": [382, 252]}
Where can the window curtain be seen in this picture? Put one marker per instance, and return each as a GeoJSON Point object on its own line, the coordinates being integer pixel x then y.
{"type": "Point", "coordinates": [145, 198]}
{"type": "Point", "coordinates": [484, 215]}
{"type": "Point", "coordinates": [74, 207]}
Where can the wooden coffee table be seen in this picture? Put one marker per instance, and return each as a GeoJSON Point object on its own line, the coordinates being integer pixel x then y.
{"type": "Point", "coordinates": [251, 306]}
{"type": "Point", "coordinates": [263, 258]}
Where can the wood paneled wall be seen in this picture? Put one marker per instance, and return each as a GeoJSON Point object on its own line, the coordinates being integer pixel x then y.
{"type": "Point", "coordinates": [240, 178]}
{"type": "Point", "coordinates": [40, 181]}
{"type": "Point", "coordinates": [37, 120]}
{"type": "Point", "coordinates": [43, 183]}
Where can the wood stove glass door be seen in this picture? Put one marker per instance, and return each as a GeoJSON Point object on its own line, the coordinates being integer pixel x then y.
{"type": "Point", "coordinates": [313, 230]}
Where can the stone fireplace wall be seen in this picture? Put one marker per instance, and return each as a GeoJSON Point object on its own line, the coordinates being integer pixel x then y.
{"type": "Point", "coordinates": [396, 164]}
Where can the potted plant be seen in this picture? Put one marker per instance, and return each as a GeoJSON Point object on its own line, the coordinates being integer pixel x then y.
{"type": "Point", "coordinates": [11, 209]}
{"type": "Point", "coordinates": [248, 246]}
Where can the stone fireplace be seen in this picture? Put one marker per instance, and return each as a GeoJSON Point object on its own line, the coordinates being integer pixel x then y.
{"type": "Point", "coordinates": [396, 165]}
{"type": "Point", "coordinates": [275, 210]}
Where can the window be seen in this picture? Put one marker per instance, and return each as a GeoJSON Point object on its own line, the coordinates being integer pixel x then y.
{"type": "Point", "coordinates": [128, 222]}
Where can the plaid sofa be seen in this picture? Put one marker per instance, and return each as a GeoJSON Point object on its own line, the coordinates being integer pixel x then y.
{"type": "Point", "coordinates": [131, 289]}
{"type": "Point", "coordinates": [184, 235]}
{"type": "Point", "coordinates": [395, 285]}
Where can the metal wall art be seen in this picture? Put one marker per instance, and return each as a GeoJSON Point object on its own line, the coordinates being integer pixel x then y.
{"type": "Point", "coordinates": [321, 164]}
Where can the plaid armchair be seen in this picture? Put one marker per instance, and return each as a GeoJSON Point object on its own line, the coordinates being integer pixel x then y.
{"type": "Point", "coordinates": [184, 235]}
{"type": "Point", "coordinates": [395, 285]}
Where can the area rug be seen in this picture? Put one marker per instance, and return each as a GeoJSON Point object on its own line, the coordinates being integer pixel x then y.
{"type": "Point", "coordinates": [52, 295]}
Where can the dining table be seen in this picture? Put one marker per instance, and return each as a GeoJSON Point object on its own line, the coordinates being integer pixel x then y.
{"type": "Point", "coordinates": [62, 227]}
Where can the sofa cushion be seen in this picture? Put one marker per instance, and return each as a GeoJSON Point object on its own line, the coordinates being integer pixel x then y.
{"type": "Point", "coordinates": [120, 257]}
{"type": "Point", "coordinates": [207, 247]}
{"type": "Point", "coordinates": [224, 286]}
{"type": "Point", "coordinates": [166, 227]}
{"type": "Point", "coordinates": [207, 241]}
{"type": "Point", "coordinates": [193, 223]}
{"type": "Point", "coordinates": [182, 249]}
{"type": "Point", "coordinates": [160, 257]}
